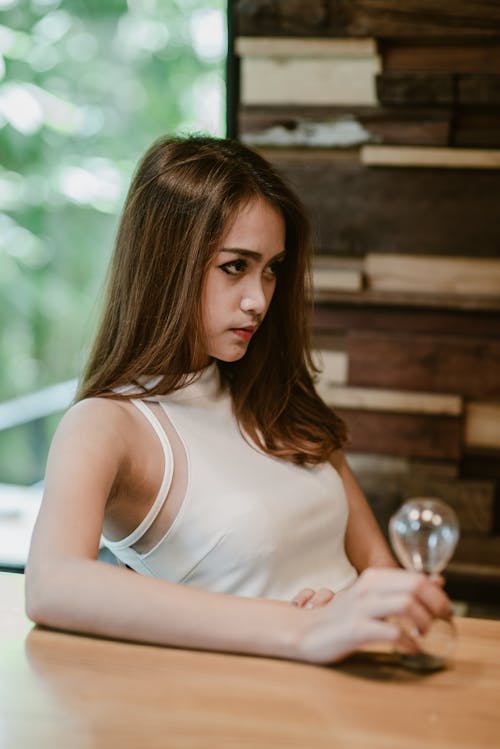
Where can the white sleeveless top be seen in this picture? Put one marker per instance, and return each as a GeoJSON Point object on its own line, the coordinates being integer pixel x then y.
{"type": "Point", "coordinates": [249, 524]}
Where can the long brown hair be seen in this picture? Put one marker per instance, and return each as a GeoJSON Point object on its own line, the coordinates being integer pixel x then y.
{"type": "Point", "coordinates": [184, 195]}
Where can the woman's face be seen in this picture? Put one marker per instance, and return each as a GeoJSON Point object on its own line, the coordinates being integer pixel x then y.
{"type": "Point", "coordinates": [241, 279]}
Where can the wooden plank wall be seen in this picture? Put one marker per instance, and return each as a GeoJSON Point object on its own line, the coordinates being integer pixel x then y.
{"type": "Point", "coordinates": [385, 117]}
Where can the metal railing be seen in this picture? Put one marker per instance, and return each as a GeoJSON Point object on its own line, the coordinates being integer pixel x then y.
{"type": "Point", "coordinates": [19, 504]}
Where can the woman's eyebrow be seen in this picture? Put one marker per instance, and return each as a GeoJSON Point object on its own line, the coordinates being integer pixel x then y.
{"type": "Point", "coordinates": [251, 253]}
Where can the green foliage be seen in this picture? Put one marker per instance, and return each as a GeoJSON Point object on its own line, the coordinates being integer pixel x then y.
{"type": "Point", "coordinates": [85, 87]}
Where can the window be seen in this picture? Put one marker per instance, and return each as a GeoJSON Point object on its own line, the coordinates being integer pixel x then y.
{"type": "Point", "coordinates": [85, 87]}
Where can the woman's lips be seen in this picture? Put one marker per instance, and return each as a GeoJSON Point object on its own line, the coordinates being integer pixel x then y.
{"type": "Point", "coordinates": [244, 333]}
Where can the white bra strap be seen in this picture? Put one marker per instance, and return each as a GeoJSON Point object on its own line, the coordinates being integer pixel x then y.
{"type": "Point", "coordinates": [154, 510]}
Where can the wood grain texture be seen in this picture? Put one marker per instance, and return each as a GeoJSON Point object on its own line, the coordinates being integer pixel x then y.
{"type": "Point", "coordinates": [396, 89]}
{"type": "Point", "coordinates": [357, 209]}
{"type": "Point", "coordinates": [337, 273]}
{"type": "Point", "coordinates": [481, 462]}
{"type": "Point", "coordinates": [476, 556]}
{"type": "Point", "coordinates": [338, 318]}
{"type": "Point", "coordinates": [479, 90]}
{"type": "Point", "coordinates": [455, 19]}
{"type": "Point", "coordinates": [415, 89]}
{"type": "Point", "coordinates": [333, 365]}
{"type": "Point", "coordinates": [476, 128]}
{"type": "Point", "coordinates": [411, 299]}
{"type": "Point", "coordinates": [63, 690]}
{"type": "Point", "coordinates": [262, 46]}
{"type": "Point", "coordinates": [389, 467]}
{"type": "Point", "coordinates": [287, 18]}
{"type": "Point", "coordinates": [482, 425]}
{"type": "Point", "coordinates": [392, 126]}
{"type": "Point", "coordinates": [395, 401]}
{"type": "Point", "coordinates": [308, 80]}
{"type": "Point", "coordinates": [405, 57]}
{"type": "Point", "coordinates": [389, 481]}
{"type": "Point", "coordinates": [432, 274]}
{"type": "Point", "coordinates": [433, 158]}
{"type": "Point", "coordinates": [406, 435]}
{"type": "Point", "coordinates": [473, 501]}
{"type": "Point", "coordinates": [444, 364]}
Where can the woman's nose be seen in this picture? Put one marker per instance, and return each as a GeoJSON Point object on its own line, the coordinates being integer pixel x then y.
{"type": "Point", "coordinates": [254, 299]}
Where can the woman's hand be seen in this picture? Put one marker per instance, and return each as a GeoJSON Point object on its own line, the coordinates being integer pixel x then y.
{"type": "Point", "coordinates": [360, 614]}
{"type": "Point", "coordinates": [310, 599]}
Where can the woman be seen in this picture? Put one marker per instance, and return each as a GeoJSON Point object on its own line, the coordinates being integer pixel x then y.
{"type": "Point", "coordinates": [199, 447]}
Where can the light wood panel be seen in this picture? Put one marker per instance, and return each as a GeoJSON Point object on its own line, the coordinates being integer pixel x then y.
{"type": "Point", "coordinates": [432, 274]}
{"type": "Point", "coordinates": [482, 425]}
{"type": "Point", "coordinates": [377, 399]}
{"type": "Point", "coordinates": [263, 46]}
{"type": "Point", "coordinates": [436, 158]}
{"type": "Point", "coordinates": [333, 365]}
{"type": "Point", "coordinates": [337, 273]}
{"type": "Point", "coordinates": [308, 80]}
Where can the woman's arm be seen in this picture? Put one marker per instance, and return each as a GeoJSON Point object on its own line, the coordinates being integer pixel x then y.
{"type": "Point", "coordinates": [67, 588]}
{"type": "Point", "coordinates": [364, 541]}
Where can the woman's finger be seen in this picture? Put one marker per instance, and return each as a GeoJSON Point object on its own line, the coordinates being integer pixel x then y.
{"type": "Point", "coordinates": [435, 600]}
{"type": "Point", "coordinates": [387, 582]}
{"type": "Point", "coordinates": [303, 597]}
{"type": "Point", "coordinates": [321, 598]}
{"type": "Point", "coordinates": [399, 605]}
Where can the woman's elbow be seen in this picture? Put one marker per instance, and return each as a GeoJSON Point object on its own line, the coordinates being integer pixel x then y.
{"type": "Point", "coordinates": [37, 595]}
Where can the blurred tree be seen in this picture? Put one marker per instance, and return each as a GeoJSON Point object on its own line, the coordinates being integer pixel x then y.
{"type": "Point", "coordinates": [85, 86]}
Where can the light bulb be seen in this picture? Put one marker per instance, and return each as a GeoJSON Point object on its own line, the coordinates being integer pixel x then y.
{"type": "Point", "coordinates": [424, 533]}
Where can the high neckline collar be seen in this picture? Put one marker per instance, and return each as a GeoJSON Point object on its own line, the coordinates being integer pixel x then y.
{"type": "Point", "coordinates": [204, 384]}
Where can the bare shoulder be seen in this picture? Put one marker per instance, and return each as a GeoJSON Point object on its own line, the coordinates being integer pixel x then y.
{"type": "Point", "coordinates": [93, 424]}
{"type": "Point", "coordinates": [107, 413]}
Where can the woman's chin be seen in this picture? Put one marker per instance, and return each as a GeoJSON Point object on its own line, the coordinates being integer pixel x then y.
{"type": "Point", "coordinates": [230, 355]}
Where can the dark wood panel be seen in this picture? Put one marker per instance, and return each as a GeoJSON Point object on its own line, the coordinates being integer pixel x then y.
{"type": "Point", "coordinates": [290, 18]}
{"type": "Point", "coordinates": [429, 127]}
{"type": "Point", "coordinates": [444, 364]}
{"type": "Point", "coordinates": [480, 551]}
{"type": "Point", "coordinates": [479, 89]}
{"type": "Point", "coordinates": [409, 299]}
{"type": "Point", "coordinates": [455, 19]}
{"type": "Point", "coordinates": [415, 89]}
{"type": "Point", "coordinates": [441, 58]}
{"type": "Point", "coordinates": [356, 209]}
{"type": "Point", "coordinates": [476, 128]}
{"type": "Point", "coordinates": [388, 482]}
{"type": "Point", "coordinates": [335, 319]}
{"type": "Point", "coordinates": [406, 435]}
{"type": "Point", "coordinates": [473, 501]}
{"type": "Point", "coordinates": [481, 463]}
{"type": "Point", "coordinates": [420, 18]}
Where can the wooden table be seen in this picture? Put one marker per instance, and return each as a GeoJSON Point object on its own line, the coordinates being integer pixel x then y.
{"type": "Point", "coordinates": [64, 690]}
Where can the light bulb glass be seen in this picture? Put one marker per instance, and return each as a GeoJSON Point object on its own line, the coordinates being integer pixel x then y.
{"type": "Point", "coordinates": [424, 533]}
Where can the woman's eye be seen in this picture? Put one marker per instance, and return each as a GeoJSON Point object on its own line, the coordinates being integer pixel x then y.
{"type": "Point", "coordinates": [234, 267]}
{"type": "Point", "coordinates": [274, 268]}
